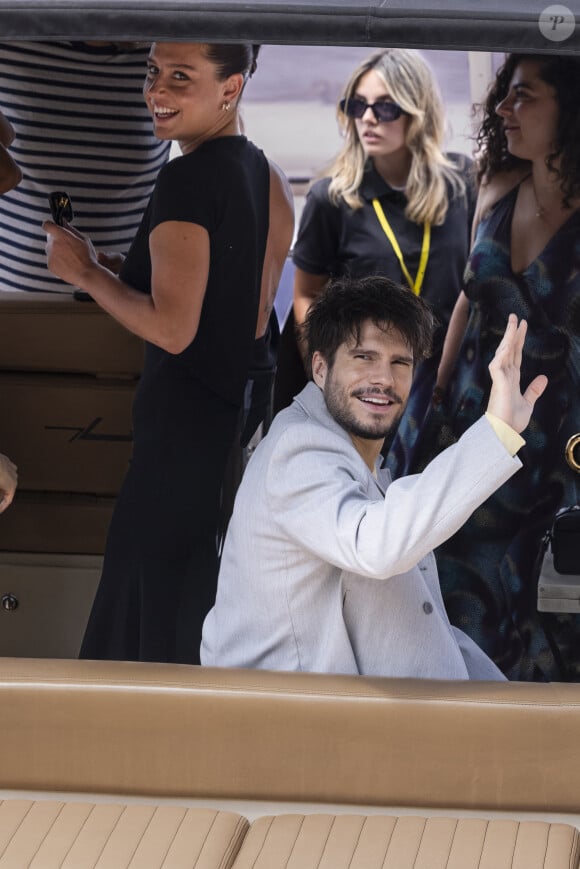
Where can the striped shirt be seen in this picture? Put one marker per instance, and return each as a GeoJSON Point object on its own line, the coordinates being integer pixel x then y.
{"type": "Point", "coordinates": [81, 126]}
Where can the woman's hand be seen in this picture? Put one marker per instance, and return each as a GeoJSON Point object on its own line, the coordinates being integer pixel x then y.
{"type": "Point", "coordinates": [506, 400]}
{"type": "Point", "coordinates": [111, 261]}
{"type": "Point", "coordinates": [70, 256]}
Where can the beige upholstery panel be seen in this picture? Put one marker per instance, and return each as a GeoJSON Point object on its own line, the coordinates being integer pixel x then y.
{"type": "Point", "coordinates": [113, 727]}
{"type": "Point", "coordinates": [383, 842]}
{"type": "Point", "coordinates": [75, 835]}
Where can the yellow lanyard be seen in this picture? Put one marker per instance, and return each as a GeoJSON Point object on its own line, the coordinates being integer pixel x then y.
{"type": "Point", "coordinates": [386, 226]}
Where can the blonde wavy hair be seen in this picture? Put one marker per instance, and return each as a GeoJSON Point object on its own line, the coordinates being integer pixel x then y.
{"type": "Point", "coordinates": [410, 83]}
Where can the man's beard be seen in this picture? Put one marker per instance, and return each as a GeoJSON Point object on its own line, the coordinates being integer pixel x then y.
{"type": "Point", "coordinates": [337, 403]}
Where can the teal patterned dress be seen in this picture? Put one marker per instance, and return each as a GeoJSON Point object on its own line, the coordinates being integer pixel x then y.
{"type": "Point", "coordinates": [488, 569]}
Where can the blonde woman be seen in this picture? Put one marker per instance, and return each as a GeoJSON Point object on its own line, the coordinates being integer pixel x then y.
{"type": "Point", "coordinates": [392, 202]}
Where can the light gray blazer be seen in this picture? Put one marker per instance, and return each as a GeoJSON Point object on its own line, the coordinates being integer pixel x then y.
{"type": "Point", "coordinates": [327, 569]}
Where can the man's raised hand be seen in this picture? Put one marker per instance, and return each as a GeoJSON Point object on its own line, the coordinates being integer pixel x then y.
{"type": "Point", "coordinates": [506, 400]}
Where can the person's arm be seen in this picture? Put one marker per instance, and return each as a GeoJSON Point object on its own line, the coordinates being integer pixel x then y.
{"type": "Point", "coordinates": [460, 314]}
{"type": "Point", "coordinates": [10, 174]}
{"type": "Point", "coordinates": [112, 260]}
{"type": "Point", "coordinates": [316, 252]}
{"type": "Point", "coordinates": [307, 288]}
{"type": "Point", "coordinates": [316, 492]}
{"type": "Point", "coordinates": [314, 489]}
{"type": "Point", "coordinates": [6, 131]}
{"type": "Point", "coordinates": [169, 317]}
{"type": "Point", "coordinates": [280, 232]}
{"type": "Point", "coordinates": [490, 192]}
{"type": "Point", "coordinates": [451, 345]}
{"type": "Point", "coordinates": [8, 482]}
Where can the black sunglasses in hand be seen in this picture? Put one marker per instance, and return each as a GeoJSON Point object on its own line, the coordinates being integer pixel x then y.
{"type": "Point", "coordinates": [383, 110]}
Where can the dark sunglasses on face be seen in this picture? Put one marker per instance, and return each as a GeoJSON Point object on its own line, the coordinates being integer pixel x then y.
{"type": "Point", "coordinates": [383, 110]}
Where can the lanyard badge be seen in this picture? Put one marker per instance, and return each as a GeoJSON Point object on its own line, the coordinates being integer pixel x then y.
{"type": "Point", "coordinates": [416, 284]}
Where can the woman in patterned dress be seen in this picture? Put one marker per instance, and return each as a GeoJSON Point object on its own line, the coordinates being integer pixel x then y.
{"type": "Point", "coordinates": [525, 259]}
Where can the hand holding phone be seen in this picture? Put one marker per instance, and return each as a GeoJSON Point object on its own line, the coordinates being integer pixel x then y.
{"type": "Point", "coordinates": [61, 210]}
{"type": "Point", "coordinates": [60, 207]}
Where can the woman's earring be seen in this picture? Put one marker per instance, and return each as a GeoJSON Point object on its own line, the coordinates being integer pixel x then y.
{"type": "Point", "coordinates": [226, 107]}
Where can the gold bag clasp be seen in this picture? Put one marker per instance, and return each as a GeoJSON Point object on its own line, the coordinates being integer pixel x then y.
{"type": "Point", "coordinates": [573, 442]}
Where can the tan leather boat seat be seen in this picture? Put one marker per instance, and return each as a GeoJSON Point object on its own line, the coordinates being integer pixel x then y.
{"type": "Point", "coordinates": [49, 834]}
{"type": "Point", "coordinates": [408, 842]}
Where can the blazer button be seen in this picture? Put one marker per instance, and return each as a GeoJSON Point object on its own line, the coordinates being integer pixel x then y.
{"type": "Point", "coordinates": [427, 607]}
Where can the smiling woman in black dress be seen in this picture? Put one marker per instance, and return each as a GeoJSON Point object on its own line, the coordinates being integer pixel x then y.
{"type": "Point", "coordinates": [191, 287]}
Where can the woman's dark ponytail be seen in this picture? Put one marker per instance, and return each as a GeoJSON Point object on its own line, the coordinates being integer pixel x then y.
{"type": "Point", "coordinates": [233, 58]}
{"type": "Point", "coordinates": [254, 64]}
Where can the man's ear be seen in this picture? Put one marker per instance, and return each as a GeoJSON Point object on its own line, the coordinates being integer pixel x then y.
{"type": "Point", "coordinates": [319, 369]}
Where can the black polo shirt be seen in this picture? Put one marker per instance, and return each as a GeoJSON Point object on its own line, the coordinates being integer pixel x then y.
{"type": "Point", "coordinates": [336, 240]}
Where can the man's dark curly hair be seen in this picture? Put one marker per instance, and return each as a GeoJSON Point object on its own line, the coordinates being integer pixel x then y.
{"type": "Point", "coordinates": [563, 74]}
{"type": "Point", "coordinates": [339, 312]}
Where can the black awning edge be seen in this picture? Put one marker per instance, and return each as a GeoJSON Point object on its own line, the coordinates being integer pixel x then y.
{"type": "Point", "coordinates": [355, 23]}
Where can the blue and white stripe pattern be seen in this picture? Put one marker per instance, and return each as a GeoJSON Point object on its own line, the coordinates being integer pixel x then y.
{"type": "Point", "coordinates": [82, 126]}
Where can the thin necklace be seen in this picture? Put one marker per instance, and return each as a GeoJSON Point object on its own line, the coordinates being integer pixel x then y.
{"type": "Point", "coordinates": [540, 210]}
{"type": "Point", "coordinates": [543, 211]}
